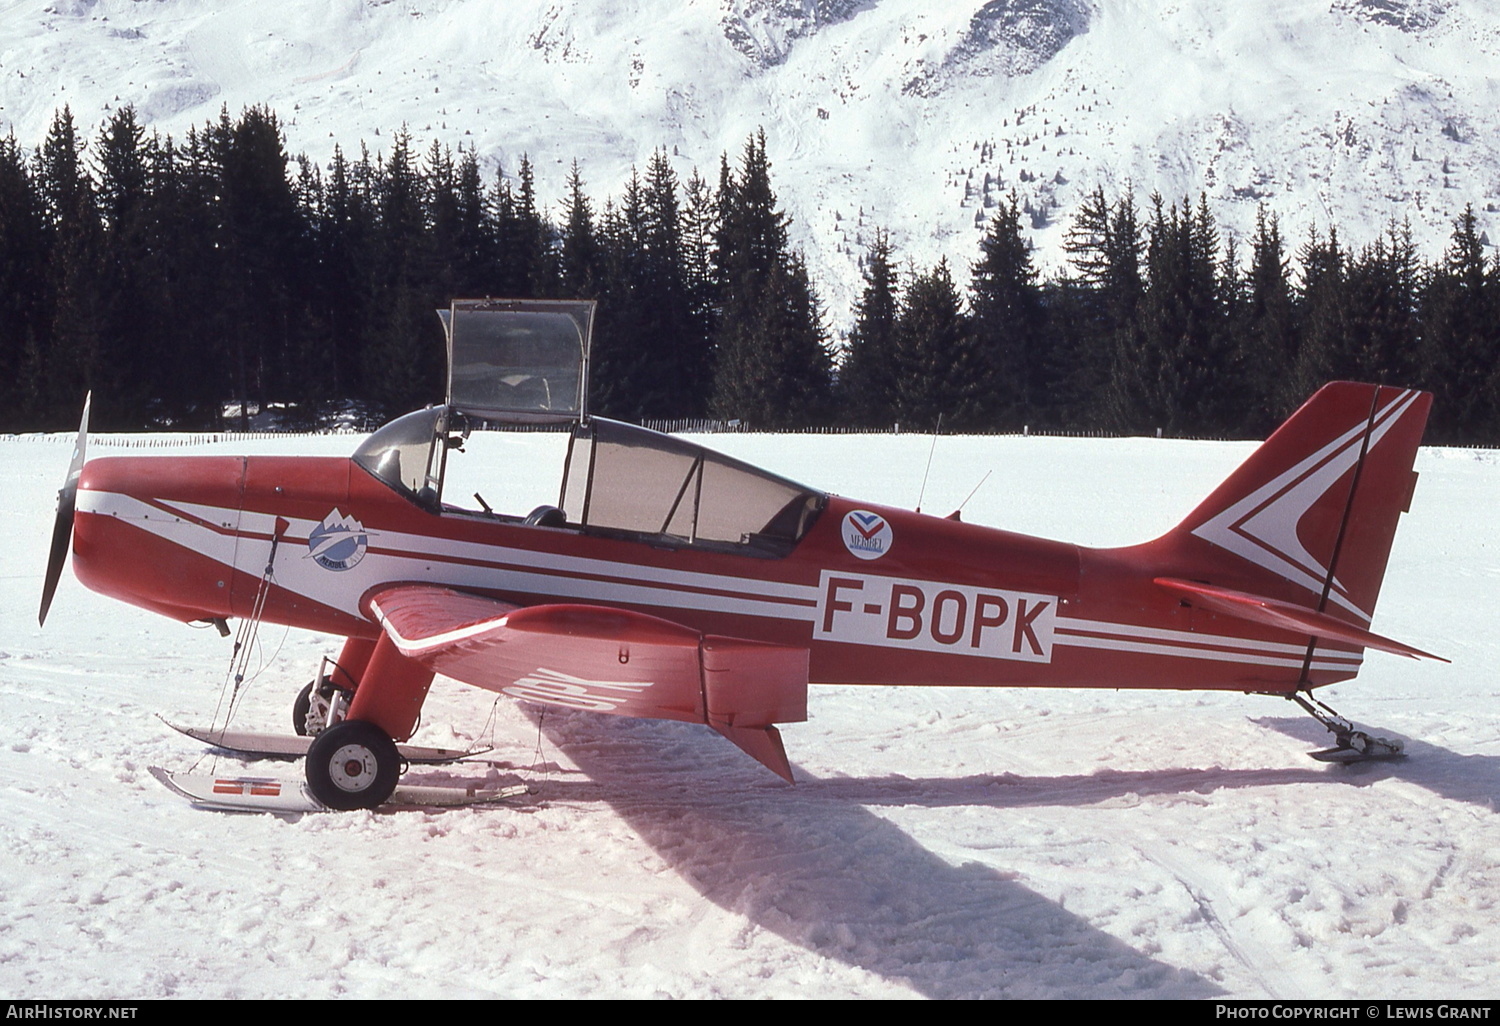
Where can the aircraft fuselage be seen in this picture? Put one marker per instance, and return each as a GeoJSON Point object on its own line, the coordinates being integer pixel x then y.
{"type": "Point", "coordinates": [877, 595]}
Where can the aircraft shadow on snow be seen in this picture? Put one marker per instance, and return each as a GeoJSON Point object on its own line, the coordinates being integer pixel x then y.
{"type": "Point", "coordinates": [813, 865]}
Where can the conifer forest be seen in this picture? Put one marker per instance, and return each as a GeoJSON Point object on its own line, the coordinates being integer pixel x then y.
{"type": "Point", "coordinates": [180, 279]}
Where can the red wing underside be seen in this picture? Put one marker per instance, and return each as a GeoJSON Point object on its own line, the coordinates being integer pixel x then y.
{"type": "Point", "coordinates": [605, 660]}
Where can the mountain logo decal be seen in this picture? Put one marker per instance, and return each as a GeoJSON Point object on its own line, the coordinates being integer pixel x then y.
{"type": "Point", "coordinates": [338, 543]}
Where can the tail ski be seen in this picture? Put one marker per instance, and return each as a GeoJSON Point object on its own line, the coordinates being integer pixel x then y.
{"type": "Point", "coordinates": [1298, 537]}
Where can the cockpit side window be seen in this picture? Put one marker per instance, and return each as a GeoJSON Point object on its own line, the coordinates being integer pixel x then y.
{"type": "Point", "coordinates": [628, 479]}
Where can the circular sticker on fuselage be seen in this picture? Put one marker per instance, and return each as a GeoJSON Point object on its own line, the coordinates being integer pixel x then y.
{"type": "Point", "coordinates": [867, 535]}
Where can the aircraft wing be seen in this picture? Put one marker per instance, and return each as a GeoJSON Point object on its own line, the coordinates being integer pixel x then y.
{"type": "Point", "coordinates": [603, 659]}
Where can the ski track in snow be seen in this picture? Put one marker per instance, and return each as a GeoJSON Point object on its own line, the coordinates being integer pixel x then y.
{"type": "Point", "coordinates": [939, 843]}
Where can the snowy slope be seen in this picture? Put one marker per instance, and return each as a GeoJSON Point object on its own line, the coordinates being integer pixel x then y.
{"type": "Point", "coordinates": [895, 113]}
{"type": "Point", "coordinates": [940, 843]}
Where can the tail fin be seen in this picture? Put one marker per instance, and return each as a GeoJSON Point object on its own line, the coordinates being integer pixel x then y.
{"type": "Point", "coordinates": [1309, 518]}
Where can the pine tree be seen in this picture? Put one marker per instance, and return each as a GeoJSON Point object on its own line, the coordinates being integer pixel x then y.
{"type": "Point", "coordinates": [652, 350]}
{"type": "Point", "coordinates": [1268, 342]}
{"type": "Point", "coordinates": [679, 344]}
{"type": "Point", "coordinates": [867, 379]}
{"type": "Point", "coordinates": [752, 230]}
{"type": "Point", "coordinates": [619, 375]}
{"type": "Point", "coordinates": [772, 366]}
{"type": "Point", "coordinates": [1323, 325]}
{"type": "Point", "coordinates": [343, 290]}
{"type": "Point", "coordinates": [440, 191]}
{"type": "Point", "coordinates": [192, 375]}
{"type": "Point", "coordinates": [579, 259]}
{"type": "Point", "coordinates": [24, 293]}
{"type": "Point", "coordinates": [474, 243]}
{"type": "Point", "coordinates": [1382, 282]}
{"type": "Point", "coordinates": [785, 371]}
{"type": "Point", "coordinates": [1010, 323]}
{"type": "Point", "coordinates": [1105, 247]}
{"type": "Point", "coordinates": [700, 225]}
{"type": "Point", "coordinates": [1460, 306]}
{"type": "Point", "coordinates": [74, 359]}
{"type": "Point", "coordinates": [134, 309]}
{"type": "Point", "coordinates": [525, 267]}
{"type": "Point", "coordinates": [405, 357]}
{"type": "Point", "coordinates": [266, 250]}
{"type": "Point", "coordinates": [1182, 376]}
{"type": "Point", "coordinates": [942, 363]}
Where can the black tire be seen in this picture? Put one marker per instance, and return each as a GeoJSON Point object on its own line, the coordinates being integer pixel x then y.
{"type": "Point", "coordinates": [303, 705]}
{"type": "Point", "coordinates": [352, 765]}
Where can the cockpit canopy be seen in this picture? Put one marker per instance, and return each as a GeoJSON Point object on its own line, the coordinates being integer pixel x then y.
{"type": "Point", "coordinates": [619, 480]}
{"type": "Point", "coordinates": [628, 479]}
{"type": "Point", "coordinates": [526, 362]}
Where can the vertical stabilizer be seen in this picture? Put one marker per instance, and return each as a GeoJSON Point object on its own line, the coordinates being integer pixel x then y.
{"type": "Point", "coordinates": [1310, 516]}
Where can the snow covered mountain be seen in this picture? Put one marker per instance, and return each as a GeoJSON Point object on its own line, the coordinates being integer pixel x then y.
{"type": "Point", "coordinates": [902, 114]}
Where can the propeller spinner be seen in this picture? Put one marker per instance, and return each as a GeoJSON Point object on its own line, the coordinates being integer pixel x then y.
{"type": "Point", "coordinates": [62, 527]}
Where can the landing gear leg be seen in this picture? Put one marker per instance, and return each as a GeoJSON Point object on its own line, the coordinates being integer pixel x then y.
{"type": "Point", "coordinates": [1352, 745]}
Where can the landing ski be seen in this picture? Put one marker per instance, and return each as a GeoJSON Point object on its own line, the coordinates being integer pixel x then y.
{"type": "Point", "coordinates": [1357, 746]}
{"type": "Point", "coordinates": [292, 746]}
{"type": "Point", "coordinates": [241, 793]}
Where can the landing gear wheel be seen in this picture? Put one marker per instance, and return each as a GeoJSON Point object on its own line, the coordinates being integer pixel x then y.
{"type": "Point", "coordinates": [352, 765]}
{"type": "Point", "coordinates": [310, 710]}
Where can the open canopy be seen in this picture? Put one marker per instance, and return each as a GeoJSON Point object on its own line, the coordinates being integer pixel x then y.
{"type": "Point", "coordinates": [519, 359]}
{"type": "Point", "coordinates": [526, 360]}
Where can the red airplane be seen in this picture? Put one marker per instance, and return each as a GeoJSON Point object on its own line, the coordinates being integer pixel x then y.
{"type": "Point", "coordinates": [673, 582]}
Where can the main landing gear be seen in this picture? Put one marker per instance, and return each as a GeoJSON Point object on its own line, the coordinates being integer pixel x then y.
{"type": "Point", "coordinates": [319, 705]}
{"type": "Point", "coordinates": [355, 715]}
{"type": "Point", "coordinates": [348, 721]}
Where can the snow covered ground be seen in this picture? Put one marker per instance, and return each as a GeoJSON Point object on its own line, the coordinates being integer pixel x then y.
{"type": "Point", "coordinates": [940, 842]}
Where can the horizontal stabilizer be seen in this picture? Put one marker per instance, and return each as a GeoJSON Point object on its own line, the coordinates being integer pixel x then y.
{"type": "Point", "coordinates": [1286, 616]}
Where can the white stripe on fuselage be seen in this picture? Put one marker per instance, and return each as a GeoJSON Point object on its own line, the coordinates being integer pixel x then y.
{"type": "Point", "coordinates": [216, 545]}
{"type": "Point", "coordinates": [1077, 632]}
{"type": "Point", "coordinates": [396, 555]}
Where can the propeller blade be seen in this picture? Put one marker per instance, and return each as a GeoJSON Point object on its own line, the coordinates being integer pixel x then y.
{"type": "Point", "coordinates": [62, 527]}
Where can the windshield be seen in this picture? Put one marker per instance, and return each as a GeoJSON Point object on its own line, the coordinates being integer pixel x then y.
{"type": "Point", "coordinates": [402, 454]}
